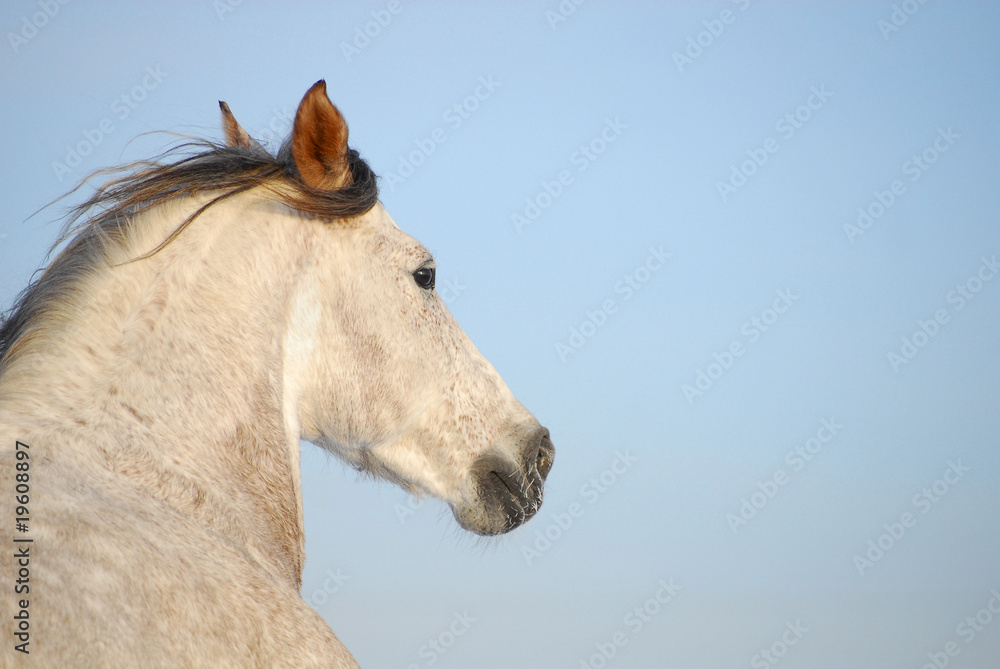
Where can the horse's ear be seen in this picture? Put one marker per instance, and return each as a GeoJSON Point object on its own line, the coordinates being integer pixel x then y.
{"type": "Point", "coordinates": [319, 141]}
{"type": "Point", "coordinates": [235, 134]}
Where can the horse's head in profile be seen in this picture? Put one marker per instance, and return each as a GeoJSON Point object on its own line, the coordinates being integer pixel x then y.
{"type": "Point", "coordinates": [383, 375]}
{"type": "Point", "coordinates": [282, 279]}
{"type": "Point", "coordinates": [204, 315]}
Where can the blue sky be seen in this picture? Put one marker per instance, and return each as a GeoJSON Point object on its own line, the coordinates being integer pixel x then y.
{"type": "Point", "coordinates": [576, 189]}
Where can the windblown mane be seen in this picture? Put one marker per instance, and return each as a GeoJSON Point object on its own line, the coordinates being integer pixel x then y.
{"type": "Point", "coordinates": [106, 219]}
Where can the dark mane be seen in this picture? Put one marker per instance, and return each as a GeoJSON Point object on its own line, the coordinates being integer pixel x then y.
{"type": "Point", "coordinates": [105, 220]}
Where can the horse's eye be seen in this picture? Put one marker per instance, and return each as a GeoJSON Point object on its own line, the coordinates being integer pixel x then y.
{"type": "Point", "coordinates": [425, 277]}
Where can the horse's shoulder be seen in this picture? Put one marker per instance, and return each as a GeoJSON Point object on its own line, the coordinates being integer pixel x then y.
{"type": "Point", "coordinates": [142, 583]}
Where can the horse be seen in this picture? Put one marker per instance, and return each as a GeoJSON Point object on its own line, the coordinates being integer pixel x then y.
{"type": "Point", "coordinates": [209, 309]}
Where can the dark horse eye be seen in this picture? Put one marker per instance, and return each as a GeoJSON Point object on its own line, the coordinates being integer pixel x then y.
{"type": "Point", "coordinates": [425, 277]}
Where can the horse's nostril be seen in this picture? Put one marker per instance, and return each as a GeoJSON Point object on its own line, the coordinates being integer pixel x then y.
{"type": "Point", "coordinates": [544, 464]}
{"type": "Point", "coordinates": [546, 454]}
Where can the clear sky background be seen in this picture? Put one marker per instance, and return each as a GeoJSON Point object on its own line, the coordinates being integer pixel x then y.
{"type": "Point", "coordinates": [804, 112]}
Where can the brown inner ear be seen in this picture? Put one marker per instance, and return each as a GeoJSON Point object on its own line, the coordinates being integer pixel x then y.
{"type": "Point", "coordinates": [319, 141]}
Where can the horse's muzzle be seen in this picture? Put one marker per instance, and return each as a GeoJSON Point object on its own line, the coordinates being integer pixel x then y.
{"type": "Point", "coordinates": [508, 491]}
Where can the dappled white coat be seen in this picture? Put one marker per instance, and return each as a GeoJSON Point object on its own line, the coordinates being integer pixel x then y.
{"type": "Point", "coordinates": [163, 401]}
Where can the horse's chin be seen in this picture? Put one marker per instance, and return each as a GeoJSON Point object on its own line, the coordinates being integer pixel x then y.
{"type": "Point", "coordinates": [489, 522]}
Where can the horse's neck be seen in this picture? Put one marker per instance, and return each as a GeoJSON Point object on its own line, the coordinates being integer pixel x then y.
{"type": "Point", "coordinates": [176, 389]}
